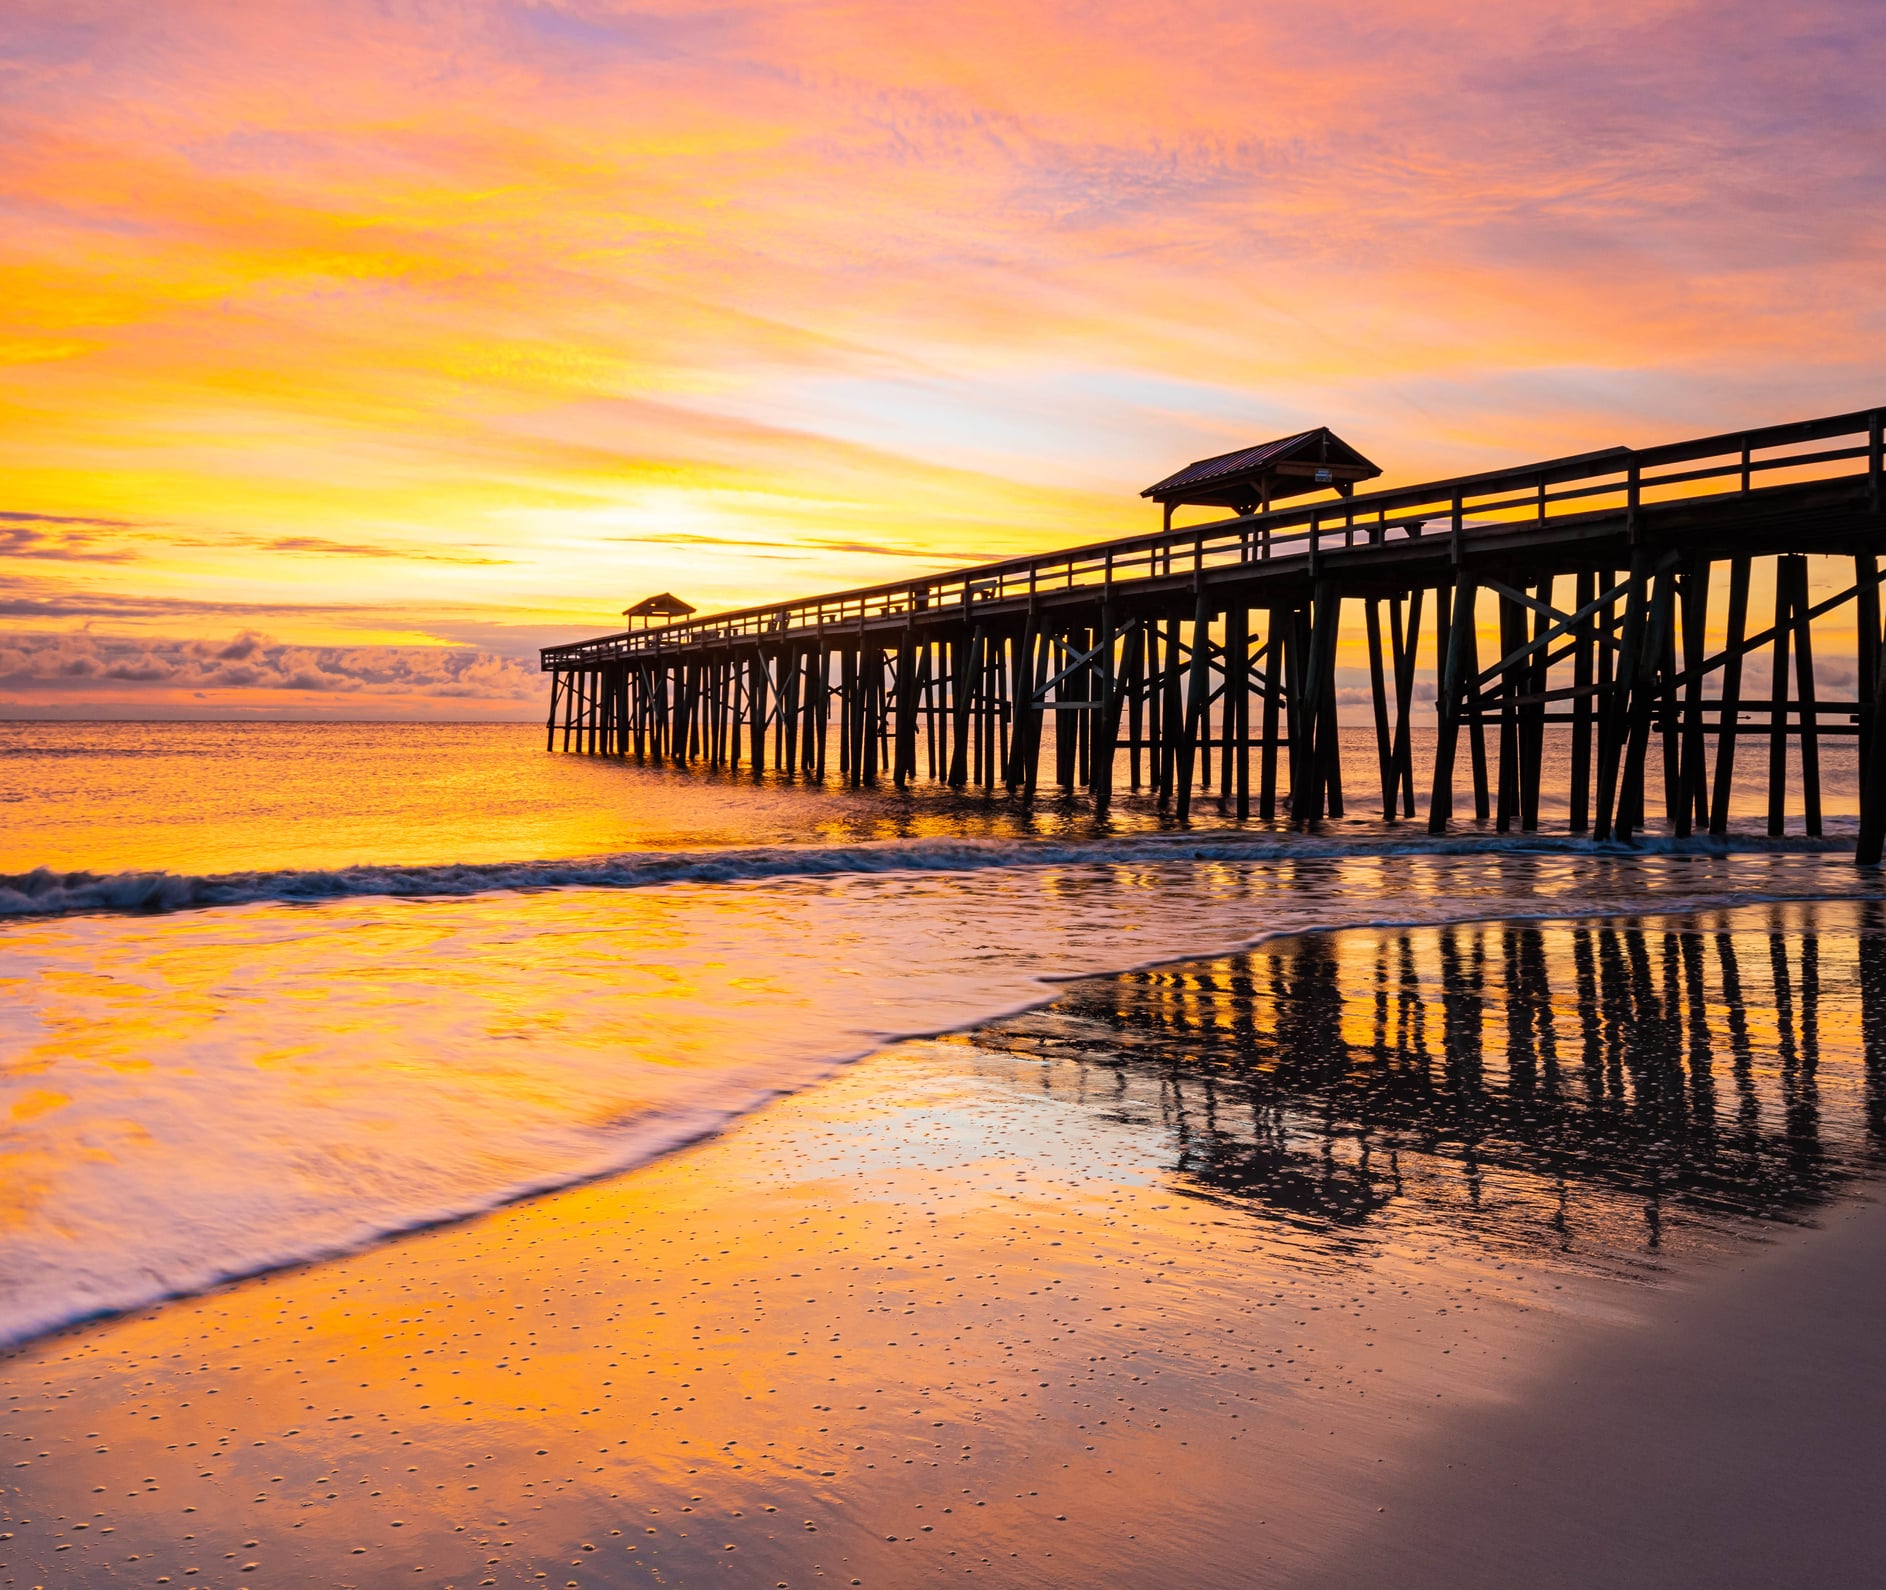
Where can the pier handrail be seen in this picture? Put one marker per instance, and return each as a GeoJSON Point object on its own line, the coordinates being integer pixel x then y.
{"type": "Point", "coordinates": [1547, 492]}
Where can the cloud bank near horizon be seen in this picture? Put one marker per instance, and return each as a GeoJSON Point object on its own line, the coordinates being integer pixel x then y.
{"type": "Point", "coordinates": [47, 674]}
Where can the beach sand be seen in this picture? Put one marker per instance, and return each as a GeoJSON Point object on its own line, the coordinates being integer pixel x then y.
{"type": "Point", "coordinates": [1016, 1309]}
{"type": "Point", "coordinates": [1736, 1439]}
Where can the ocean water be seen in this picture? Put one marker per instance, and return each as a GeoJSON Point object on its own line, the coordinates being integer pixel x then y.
{"type": "Point", "coordinates": [269, 992]}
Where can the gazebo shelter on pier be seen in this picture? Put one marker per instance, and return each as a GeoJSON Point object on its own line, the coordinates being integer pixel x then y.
{"type": "Point", "coordinates": [1251, 479]}
{"type": "Point", "coordinates": [652, 610]}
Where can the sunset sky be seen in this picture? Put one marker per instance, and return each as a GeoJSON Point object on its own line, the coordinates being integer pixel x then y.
{"type": "Point", "coordinates": [356, 350]}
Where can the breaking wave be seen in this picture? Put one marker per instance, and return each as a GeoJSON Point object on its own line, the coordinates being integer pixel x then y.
{"type": "Point", "coordinates": [44, 892]}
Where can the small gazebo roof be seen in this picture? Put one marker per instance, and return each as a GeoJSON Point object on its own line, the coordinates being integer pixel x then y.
{"type": "Point", "coordinates": [1251, 477]}
{"type": "Point", "coordinates": [666, 605]}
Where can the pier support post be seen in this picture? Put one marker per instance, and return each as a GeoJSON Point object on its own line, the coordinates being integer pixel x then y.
{"type": "Point", "coordinates": [1638, 673]}
{"type": "Point", "coordinates": [1584, 645]}
{"type": "Point", "coordinates": [1778, 701]}
{"type": "Point", "coordinates": [1276, 627]}
{"type": "Point", "coordinates": [1532, 714]}
{"type": "Point", "coordinates": [1321, 789]}
{"type": "Point", "coordinates": [1871, 657]}
{"type": "Point", "coordinates": [1451, 637]}
{"type": "Point", "coordinates": [1729, 710]}
{"type": "Point", "coordinates": [1033, 710]}
{"type": "Point", "coordinates": [1614, 719]}
{"type": "Point", "coordinates": [965, 676]}
{"type": "Point", "coordinates": [818, 720]}
{"type": "Point", "coordinates": [1804, 690]}
{"type": "Point", "coordinates": [1469, 624]}
{"type": "Point", "coordinates": [1691, 805]}
{"type": "Point", "coordinates": [1237, 708]}
{"type": "Point", "coordinates": [1405, 642]}
{"type": "Point", "coordinates": [1198, 693]}
{"type": "Point", "coordinates": [1098, 743]}
{"type": "Point", "coordinates": [1172, 712]}
{"type": "Point", "coordinates": [1378, 697]}
{"type": "Point", "coordinates": [1512, 682]}
{"type": "Point", "coordinates": [1112, 697]}
{"type": "Point", "coordinates": [904, 762]}
{"type": "Point", "coordinates": [759, 682]}
{"type": "Point", "coordinates": [1328, 732]}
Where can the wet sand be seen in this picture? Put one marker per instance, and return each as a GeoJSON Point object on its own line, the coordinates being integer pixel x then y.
{"type": "Point", "coordinates": [1203, 1277]}
{"type": "Point", "coordinates": [1738, 1438]}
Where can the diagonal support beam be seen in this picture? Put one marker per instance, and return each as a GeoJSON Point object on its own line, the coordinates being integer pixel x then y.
{"type": "Point", "coordinates": [1082, 660]}
{"type": "Point", "coordinates": [1566, 622]}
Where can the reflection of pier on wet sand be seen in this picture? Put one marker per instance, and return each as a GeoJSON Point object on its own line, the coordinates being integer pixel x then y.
{"type": "Point", "coordinates": [1538, 1082]}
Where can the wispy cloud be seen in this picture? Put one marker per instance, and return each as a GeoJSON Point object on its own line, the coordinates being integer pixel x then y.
{"type": "Point", "coordinates": [915, 556]}
{"type": "Point", "coordinates": [48, 599]}
{"type": "Point", "coordinates": [69, 521]}
{"type": "Point", "coordinates": [57, 540]}
{"type": "Point", "coordinates": [321, 546]}
{"type": "Point", "coordinates": [76, 538]}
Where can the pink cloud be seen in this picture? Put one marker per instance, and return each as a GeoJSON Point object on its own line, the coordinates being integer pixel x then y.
{"type": "Point", "coordinates": [253, 662]}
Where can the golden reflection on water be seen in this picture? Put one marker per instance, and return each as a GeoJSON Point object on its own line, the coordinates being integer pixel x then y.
{"type": "Point", "coordinates": [236, 797]}
{"type": "Point", "coordinates": [1193, 1259]}
{"type": "Point", "coordinates": [249, 1085]}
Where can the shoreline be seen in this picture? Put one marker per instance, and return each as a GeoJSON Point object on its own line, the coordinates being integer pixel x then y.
{"type": "Point", "coordinates": [757, 1322]}
{"type": "Point", "coordinates": [678, 1122]}
{"type": "Point", "coordinates": [1042, 1310]}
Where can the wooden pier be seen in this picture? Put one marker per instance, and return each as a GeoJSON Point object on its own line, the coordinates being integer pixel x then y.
{"type": "Point", "coordinates": [1199, 662]}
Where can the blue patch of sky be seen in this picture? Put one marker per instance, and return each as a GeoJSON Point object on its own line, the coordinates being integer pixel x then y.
{"type": "Point", "coordinates": [48, 38]}
{"type": "Point", "coordinates": [605, 34]}
{"type": "Point", "coordinates": [1598, 406]}
{"type": "Point", "coordinates": [1102, 429]}
{"type": "Point", "coordinates": [42, 211]}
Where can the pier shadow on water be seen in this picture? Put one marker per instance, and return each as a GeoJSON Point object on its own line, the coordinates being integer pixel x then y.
{"type": "Point", "coordinates": [1613, 1093]}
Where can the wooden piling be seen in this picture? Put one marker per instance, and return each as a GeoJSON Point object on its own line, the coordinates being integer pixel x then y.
{"type": "Point", "coordinates": [1729, 711]}
{"type": "Point", "coordinates": [1378, 697]}
{"type": "Point", "coordinates": [1453, 652]}
{"type": "Point", "coordinates": [1809, 735]}
{"type": "Point", "coordinates": [1406, 642]}
{"type": "Point", "coordinates": [1778, 702]}
{"type": "Point", "coordinates": [1275, 629]}
{"type": "Point", "coordinates": [1198, 690]}
{"type": "Point", "coordinates": [1531, 726]}
{"type": "Point", "coordinates": [1691, 806]}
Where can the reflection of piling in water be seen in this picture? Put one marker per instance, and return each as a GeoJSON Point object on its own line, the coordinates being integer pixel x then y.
{"type": "Point", "coordinates": [1600, 582]}
{"type": "Point", "coordinates": [1872, 979]}
{"type": "Point", "coordinates": [1580, 1059]}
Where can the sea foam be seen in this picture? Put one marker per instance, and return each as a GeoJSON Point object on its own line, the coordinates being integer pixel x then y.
{"type": "Point", "coordinates": [43, 892]}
